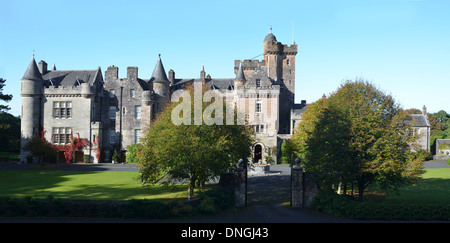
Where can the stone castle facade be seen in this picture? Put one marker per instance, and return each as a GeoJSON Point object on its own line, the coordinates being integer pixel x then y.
{"type": "Point", "coordinates": [115, 111]}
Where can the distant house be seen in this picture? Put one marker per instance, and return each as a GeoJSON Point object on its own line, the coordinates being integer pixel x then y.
{"type": "Point", "coordinates": [423, 129]}
{"type": "Point", "coordinates": [442, 149]}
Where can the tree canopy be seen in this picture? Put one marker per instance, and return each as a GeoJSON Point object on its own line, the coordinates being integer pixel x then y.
{"type": "Point", "coordinates": [4, 97]}
{"type": "Point", "coordinates": [198, 153]}
{"type": "Point", "coordinates": [358, 135]}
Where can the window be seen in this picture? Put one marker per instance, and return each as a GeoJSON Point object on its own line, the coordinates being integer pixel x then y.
{"type": "Point", "coordinates": [112, 93]}
{"type": "Point", "coordinates": [62, 109]}
{"type": "Point", "coordinates": [137, 112]}
{"type": "Point", "coordinates": [137, 136]}
{"type": "Point", "coordinates": [258, 83]}
{"type": "Point", "coordinates": [61, 135]}
{"type": "Point", "coordinates": [258, 106]}
{"type": "Point", "coordinates": [259, 128]}
{"type": "Point", "coordinates": [112, 136]}
{"type": "Point", "coordinates": [132, 93]}
{"type": "Point", "coordinates": [287, 62]}
{"type": "Point", "coordinates": [112, 112]}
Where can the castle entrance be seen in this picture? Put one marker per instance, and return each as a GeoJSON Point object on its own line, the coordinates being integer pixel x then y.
{"type": "Point", "coordinates": [257, 153]}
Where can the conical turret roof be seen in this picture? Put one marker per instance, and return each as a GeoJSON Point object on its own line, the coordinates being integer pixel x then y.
{"type": "Point", "coordinates": [159, 74]}
{"type": "Point", "coordinates": [240, 73]}
{"type": "Point", "coordinates": [32, 72]}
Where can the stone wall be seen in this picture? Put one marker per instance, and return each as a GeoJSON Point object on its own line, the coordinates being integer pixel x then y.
{"type": "Point", "coordinates": [303, 188]}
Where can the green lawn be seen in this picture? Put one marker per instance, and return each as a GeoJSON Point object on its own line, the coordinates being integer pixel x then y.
{"type": "Point", "coordinates": [81, 185]}
{"type": "Point", "coordinates": [434, 187]}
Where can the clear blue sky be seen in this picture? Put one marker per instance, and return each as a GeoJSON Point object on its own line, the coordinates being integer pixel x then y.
{"type": "Point", "coordinates": [402, 46]}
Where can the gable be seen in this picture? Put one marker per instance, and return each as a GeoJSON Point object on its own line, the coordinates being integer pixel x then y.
{"type": "Point", "coordinates": [259, 78]}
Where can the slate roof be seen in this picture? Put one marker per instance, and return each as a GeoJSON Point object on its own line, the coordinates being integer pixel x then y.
{"type": "Point", "coordinates": [420, 120]}
{"type": "Point", "coordinates": [299, 108]}
{"type": "Point", "coordinates": [32, 72]}
{"type": "Point", "coordinates": [270, 37]}
{"type": "Point", "coordinates": [443, 140]}
{"type": "Point", "coordinates": [159, 74]}
{"type": "Point", "coordinates": [240, 73]}
{"type": "Point", "coordinates": [215, 83]}
{"type": "Point", "coordinates": [70, 78]}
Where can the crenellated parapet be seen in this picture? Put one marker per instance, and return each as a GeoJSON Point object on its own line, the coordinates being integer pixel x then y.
{"type": "Point", "coordinates": [83, 90]}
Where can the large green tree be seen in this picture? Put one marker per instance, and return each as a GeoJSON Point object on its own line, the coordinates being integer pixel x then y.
{"type": "Point", "coordinates": [440, 125]}
{"type": "Point", "coordinates": [10, 132]}
{"type": "Point", "coordinates": [4, 97]}
{"type": "Point", "coordinates": [358, 135]}
{"type": "Point", "coordinates": [192, 150]}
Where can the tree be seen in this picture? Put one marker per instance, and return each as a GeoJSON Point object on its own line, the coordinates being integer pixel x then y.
{"type": "Point", "coordinates": [4, 97]}
{"type": "Point", "coordinates": [286, 151]}
{"type": "Point", "coordinates": [39, 147]}
{"type": "Point", "coordinates": [440, 125]}
{"type": "Point", "coordinates": [183, 150]}
{"type": "Point", "coordinates": [10, 132]}
{"type": "Point", "coordinates": [358, 135]}
{"type": "Point", "coordinates": [322, 142]}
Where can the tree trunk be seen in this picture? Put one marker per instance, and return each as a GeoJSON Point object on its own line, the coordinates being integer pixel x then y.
{"type": "Point", "coordinates": [361, 193]}
{"type": "Point", "coordinates": [191, 187]}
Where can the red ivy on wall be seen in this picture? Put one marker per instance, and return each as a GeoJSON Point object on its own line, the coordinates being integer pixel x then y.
{"type": "Point", "coordinates": [76, 144]}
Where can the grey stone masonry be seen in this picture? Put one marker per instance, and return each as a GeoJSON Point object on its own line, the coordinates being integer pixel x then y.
{"type": "Point", "coordinates": [303, 188]}
{"type": "Point", "coordinates": [240, 188]}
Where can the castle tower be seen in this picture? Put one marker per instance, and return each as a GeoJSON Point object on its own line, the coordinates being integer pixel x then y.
{"type": "Point", "coordinates": [160, 85]}
{"type": "Point", "coordinates": [159, 78]}
{"type": "Point", "coordinates": [281, 62]}
{"type": "Point", "coordinates": [32, 91]}
{"type": "Point", "coordinates": [240, 78]}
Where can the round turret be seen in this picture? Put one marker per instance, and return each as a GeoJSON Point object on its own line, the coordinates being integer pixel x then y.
{"type": "Point", "coordinates": [240, 78]}
{"type": "Point", "coordinates": [147, 97]}
{"type": "Point", "coordinates": [32, 91]}
{"type": "Point", "coordinates": [270, 38]}
{"type": "Point", "coordinates": [159, 79]}
{"type": "Point", "coordinates": [86, 91]}
{"type": "Point", "coordinates": [32, 82]}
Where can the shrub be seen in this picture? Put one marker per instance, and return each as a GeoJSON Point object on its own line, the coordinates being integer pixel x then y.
{"type": "Point", "coordinates": [86, 158]}
{"type": "Point", "coordinates": [143, 208]}
{"type": "Point", "coordinates": [133, 152]}
{"type": "Point", "coordinates": [216, 199]}
{"type": "Point", "coordinates": [341, 206]}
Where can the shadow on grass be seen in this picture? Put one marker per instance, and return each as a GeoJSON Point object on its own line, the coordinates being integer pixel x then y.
{"type": "Point", "coordinates": [430, 190]}
{"type": "Point", "coordinates": [82, 185]}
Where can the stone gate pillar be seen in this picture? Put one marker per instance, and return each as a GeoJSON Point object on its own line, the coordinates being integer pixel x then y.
{"type": "Point", "coordinates": [297, 187]}
{"type": "Point", "coordinates": [303, 187]}
{"type": "Point", "coordinates": [240, 187]}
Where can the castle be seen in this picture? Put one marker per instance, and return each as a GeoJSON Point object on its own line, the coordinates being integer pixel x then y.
{"type": "Point", "coordinates": [113, 112]}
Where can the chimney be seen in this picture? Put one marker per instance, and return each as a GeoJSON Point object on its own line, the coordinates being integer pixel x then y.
{"type": "Point", "coordinates": [172, 77]}
{"type": "Point", "coordinates": [42, 67]}
{"type": "Point", "coordinates": [203, 74]}
{"type": "Point", "coordinates": [424, 110]}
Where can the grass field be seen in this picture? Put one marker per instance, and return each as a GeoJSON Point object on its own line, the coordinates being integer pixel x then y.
{"type": "Point", "coordinates": [434, 187]}
{"type": "Point", "coordinates": [82, 185]}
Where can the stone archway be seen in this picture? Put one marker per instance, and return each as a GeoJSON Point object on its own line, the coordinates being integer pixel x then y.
{"type": "Point", "coordinates": [257, 153]}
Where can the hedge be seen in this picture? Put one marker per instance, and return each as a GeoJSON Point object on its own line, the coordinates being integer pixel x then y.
{"type": "Point", "coordinates": [211, 201]}
{"type": "Point", "coordinates": [341, 206]}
